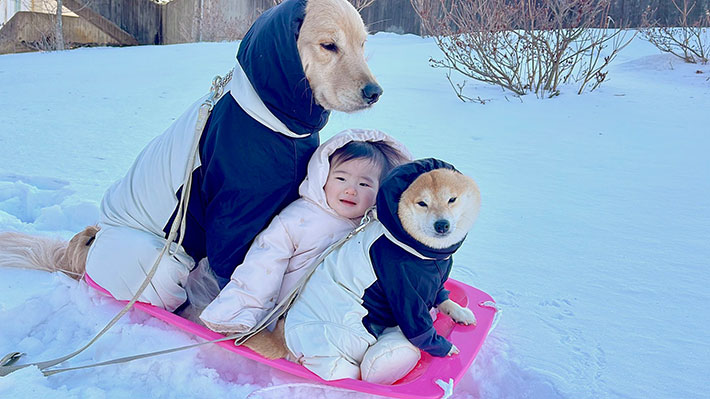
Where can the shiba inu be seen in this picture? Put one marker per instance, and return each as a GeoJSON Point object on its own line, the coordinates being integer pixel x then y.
{"type": "Point", "coordinates": [364, 313]}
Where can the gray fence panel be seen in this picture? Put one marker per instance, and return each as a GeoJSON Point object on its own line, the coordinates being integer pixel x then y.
{"type": "Point", "coordinates": [179, 21]}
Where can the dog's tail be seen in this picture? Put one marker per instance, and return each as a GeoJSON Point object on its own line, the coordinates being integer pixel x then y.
{"type": "Point", "coordinates": [271, 345]}
{"type": "Point", "coordinates": [44, 253]}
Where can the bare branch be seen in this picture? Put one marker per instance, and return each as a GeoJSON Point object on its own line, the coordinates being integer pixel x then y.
{"type": "Point", "coordinates": [525, 46]}
{"type": "Point", "coordinates": [689, 40]}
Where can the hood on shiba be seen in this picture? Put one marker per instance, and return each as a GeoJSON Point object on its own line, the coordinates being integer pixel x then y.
{"type": "Point", "coordinates": [269, 57]}
{"type": "Point", "coordinates": [388, 197]}
{"type": "Point", "coordinates": [319, 165]}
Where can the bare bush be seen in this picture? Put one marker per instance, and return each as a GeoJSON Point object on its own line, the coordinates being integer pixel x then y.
{"type": "Point", "coordinates": [688, 40]}
{"type": "Point", "coordinates": [525, 46]}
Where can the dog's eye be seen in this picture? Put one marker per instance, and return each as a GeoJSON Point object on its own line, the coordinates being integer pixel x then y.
{"type": "Point", "coordinates": [330, 47]}
{"type": "Point", "coordinates": [452, 200]}
{"type": "Point", "coordinates": [422, 204]}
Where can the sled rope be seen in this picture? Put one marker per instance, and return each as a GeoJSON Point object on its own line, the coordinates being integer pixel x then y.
{"type": "Point", "coordinates": [135, 357]}
{"type": "Point", "coordinates": [216, 91]}
{"type": "Point", "coordinates": [178, 224]}
{"type": "Point", "coordinates": [283, 306]}
{"type": "Point", "coordinates": [239, 338]}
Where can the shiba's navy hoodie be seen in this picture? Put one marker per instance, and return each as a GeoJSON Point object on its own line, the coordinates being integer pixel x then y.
{"type": "Point", "coordinates": [249, 172]}
{"type": "Point", "coordinates": [381, 277]}
{"type": "Point", "coordinates": [406, 279]}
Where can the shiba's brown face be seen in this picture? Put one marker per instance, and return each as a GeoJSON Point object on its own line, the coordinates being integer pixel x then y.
{"type": "Point", "coordinates": [331, 45]}
{"type": "Point", "coordinates": [439, 207]}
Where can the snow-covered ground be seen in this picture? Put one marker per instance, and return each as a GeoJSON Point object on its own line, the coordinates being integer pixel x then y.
{"type": "Point", "coordinates": [594, 236]}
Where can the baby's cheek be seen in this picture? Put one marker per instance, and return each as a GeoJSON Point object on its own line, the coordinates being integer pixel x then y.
{"type": "Point", "coordinates": [372, 199]}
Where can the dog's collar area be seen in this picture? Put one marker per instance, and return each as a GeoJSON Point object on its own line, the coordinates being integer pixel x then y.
{"type": "Point", "coordinates": [246, 96]}
{"type": "Point", "coordinates": [408, 248]}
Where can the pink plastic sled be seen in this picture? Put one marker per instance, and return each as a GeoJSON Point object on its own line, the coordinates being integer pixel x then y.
{"type": "Point", "coordinates": [421, 382]}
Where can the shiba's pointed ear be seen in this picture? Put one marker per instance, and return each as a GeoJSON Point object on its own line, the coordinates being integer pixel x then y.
{"type": "Point", "coordinates": [471, 189]}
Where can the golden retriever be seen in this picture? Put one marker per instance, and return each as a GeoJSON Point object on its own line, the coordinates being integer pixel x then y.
{"type": "Point", "coordinates": [331, 47]}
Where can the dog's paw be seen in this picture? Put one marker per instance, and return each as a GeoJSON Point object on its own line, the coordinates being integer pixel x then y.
{"type": "Point", "coordinates": [463, 316]}
{"type": "Point", "coordinates": [453, 351]}
{"type": "Point", "coordinates": [459, 314]}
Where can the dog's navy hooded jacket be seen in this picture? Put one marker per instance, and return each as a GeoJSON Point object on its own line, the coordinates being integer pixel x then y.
{"type": "Point", "coordinates": [252, 157]}
{"type": "Point", "coordinates": [379, 278]}
{"type": "Point", "coordinates": [249, 172]}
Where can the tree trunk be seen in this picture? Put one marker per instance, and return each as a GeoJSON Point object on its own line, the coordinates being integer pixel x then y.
{"type": "Point", "coordinates": [59, 34]}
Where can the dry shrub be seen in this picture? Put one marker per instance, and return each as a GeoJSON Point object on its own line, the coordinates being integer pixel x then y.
{"type": "Point", "coordinates": [525, 46]}
{"type": "Point", "coordinates": [688, 40]}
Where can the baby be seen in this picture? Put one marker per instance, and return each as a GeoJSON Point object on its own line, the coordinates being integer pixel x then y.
{"type": "Point", "coordinates": [342, 180]}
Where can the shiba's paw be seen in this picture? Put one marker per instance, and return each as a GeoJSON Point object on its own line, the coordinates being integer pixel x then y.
{"type": "Point", "coordinates": [453, 351]}
{"type": "Point", "coordinates": [459, 314]}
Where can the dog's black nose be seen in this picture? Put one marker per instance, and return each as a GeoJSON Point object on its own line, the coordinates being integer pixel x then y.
{"type": "Point", "coordinates": [371, 92]}
{"type": "Point", "coordinates": [442, 226]}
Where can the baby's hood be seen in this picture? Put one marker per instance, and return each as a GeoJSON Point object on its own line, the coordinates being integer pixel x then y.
{"type": "Point", "coordinates": [312, 187]}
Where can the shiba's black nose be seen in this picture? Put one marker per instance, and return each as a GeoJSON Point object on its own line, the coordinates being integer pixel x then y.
{"type": "Point", "coordinates": [442, 226]}
{"type": "Point", "coordinates": [371, 92]}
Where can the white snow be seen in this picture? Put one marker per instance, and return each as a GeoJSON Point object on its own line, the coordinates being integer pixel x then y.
{"type": "Point", "coordinates": [594, 236]}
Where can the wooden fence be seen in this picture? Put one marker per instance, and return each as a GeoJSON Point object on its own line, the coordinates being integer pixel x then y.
{"type": "Point", "coordinates": [212, 20]}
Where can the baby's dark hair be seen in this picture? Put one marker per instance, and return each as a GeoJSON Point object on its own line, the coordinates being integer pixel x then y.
{"type": "Point", "coordinates": [380, 153]}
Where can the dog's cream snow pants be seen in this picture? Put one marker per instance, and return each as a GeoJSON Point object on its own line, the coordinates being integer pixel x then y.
{"type": "Point", "coordinates": [120, 258]}
{"type": "Point", "coordinates": [334, 352]}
